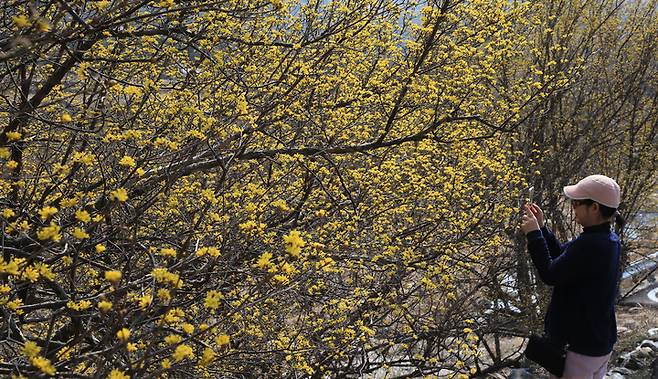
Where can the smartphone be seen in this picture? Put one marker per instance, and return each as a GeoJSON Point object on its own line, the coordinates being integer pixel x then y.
{"type": "Point", "coordinates": [530, 192]}
{"type": "Point", "coordinates": [527, 196]}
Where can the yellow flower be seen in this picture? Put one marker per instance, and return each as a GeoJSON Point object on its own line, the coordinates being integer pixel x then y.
{"type": "Point", "coordinates": [241, 105]}
{"type": "Point", "coordinates": [140, 172]}
{"type": "Point", "coordinates": [12, 165]}
{"type": "Point", "coordinates": [7, 213]}
{"type": "Point", "coordinates": [44, 270]}
{"type": "Point", "coordinates": [13, 136]}
{"type": "Point", "coordinates": [278, 4]}
{"type": "Point", "coordinates": [182, 352]}
{"type": "Point", "coordinates": [84, 158]}
{"type": "Point", "coordinates": [207, 357]}
{"type": "Point", "coordinates": [43, 25]}
{"type": "Point", "coordinates": [127, 161]}
{"type": "Point", "coordinates": [104, 306]}
{"type": "Point", "coordinates": [44, 365]}
{"type": "Point", "coordinates": [223, 339]}
{"type": "Point", "coordinates": [80, 233]}
{"type": "Point", "coordinates": [164, 294]}
{"type": "Point", "coordinates": [31, 349]}
{"type": "Point", "coordinates": [287, 268]}
{"type": "Point", "coordinates": [102, 4]}
{"type": "Point", "coordinates": [82, 305]}
{"type": "Point", "coordinates": [212, 251]}
{"type": "Point", "coordinates": [49, 232]}
{"type": "Point", "coordinates": [11, 267]}
{"type": "Point", "coordinates": [132, 90]}
{"type": "Point", "coordinates": [65, 117]}
{"type": "Point", "coordinates": [82, 215]}
{"type": "Point", "coordinates": [264, 260]}
{"type": "Point", "coordinates": [117, 374]}
{"type": "Point", "coordinates": [30, 274]}
{"type": "Point", "coordinates": [173, 339]}
{"type": "Point", "coordinates": [46, 212]}
{"type": "Point", "coordinates": [123, 335]}
{"type": "Point", "coordinates": [166, 364]}
{"type": "Point", "coordinates": [100, 248]}
{"type": "Point", "coordinates": [166, 3]}
{"type": "Point", "coordinates": [21, 21]}
{"type": "Point", "coordinates": [145, 301]}
{"type": "Point", "coordinates": [294, 243]}
{"type": "Point", "coordinates": [68, 203]}
{"type": "Point", "coordinates": [14, 305]}
{"type": "Point", "coordinates": [173, 316]}
{"type": "Point", "coordinates": [282, 279]}
{"type": "Point", "coordinates": [212, 299]}
{"type": "Point", "coordinates": [131, 347]}
{"type": "Point", "coordinates": [5, 153]}
{"type": "Point", "coordinates": [161, 275]}
{"type": "Point", "coordinates": [168, 252]}
{"type": "Point", "coordinates": [188, 328]}
{"type": "Point", "coordinates": [113, 276]}
{"type": "Point", "coordinates": [119, 194]}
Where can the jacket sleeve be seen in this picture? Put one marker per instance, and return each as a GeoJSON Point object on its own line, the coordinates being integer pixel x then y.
{"type": "Point", "coordinates": [554, 246]}
{"type": "Point", "coordinates": [563, 269]}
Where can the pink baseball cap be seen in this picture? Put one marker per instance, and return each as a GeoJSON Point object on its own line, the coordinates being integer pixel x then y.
{"type": "Point", "coordinates": [599, 188]}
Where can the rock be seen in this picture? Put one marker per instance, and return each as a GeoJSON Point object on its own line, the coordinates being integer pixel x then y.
{"type": "Point", "coordinates": [653, 345]}
{"type": "Point", "coordinates": [654, 369]}
{"type": "Point", "coordinates": [521, 373]}
{"type": "Point", "coordinates": [622, 330]}
{"type": "Point", "coordinates": [614, 375]}
{"type": "Point", "coordinates": [621, 370]}
{"type": "Point", "coordinates": [653, 333]}
{"type": "Point", "coordinates": [622, 359]}
{"type": "Point", "coordinates": [636, 362]}
{"type": "Point", "coordinates": [643, 352]}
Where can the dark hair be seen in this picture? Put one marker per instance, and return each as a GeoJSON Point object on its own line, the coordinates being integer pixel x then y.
{"type": "Point", "coordinates": [607, 213]}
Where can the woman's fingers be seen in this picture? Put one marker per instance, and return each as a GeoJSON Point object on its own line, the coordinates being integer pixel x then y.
{"type": "Point", "coordinates": [535, 209]}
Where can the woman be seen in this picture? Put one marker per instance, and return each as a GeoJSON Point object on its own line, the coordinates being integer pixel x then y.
{"type": "Point", "coordinates": [584, 274]}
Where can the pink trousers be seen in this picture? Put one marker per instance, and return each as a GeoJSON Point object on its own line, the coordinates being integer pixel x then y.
{"type": "Point", "coordinates": [578, 366]}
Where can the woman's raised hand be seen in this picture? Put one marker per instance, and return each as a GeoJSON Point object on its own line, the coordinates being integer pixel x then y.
{"type": "Point", "coordinates": [529, 221]}
{"type": "Point", "coordinates": [538, 213]}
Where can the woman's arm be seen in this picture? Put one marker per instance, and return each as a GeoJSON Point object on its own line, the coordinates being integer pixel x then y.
{"type": "Point", "coordinates": [555, 248]}
{"type": "Point", "coordinates": [567, 267]}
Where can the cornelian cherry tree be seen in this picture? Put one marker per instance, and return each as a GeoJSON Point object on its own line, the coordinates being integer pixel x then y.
{"type": "Point", "coordinates": [258, 188]}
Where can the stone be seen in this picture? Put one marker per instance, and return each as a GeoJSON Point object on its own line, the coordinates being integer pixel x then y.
{"type": "Point", "coordinates": [614, 375]}
{"type": "Point", "coordinates": [654, 369]}
{"type": "Point", "coordinates": [643, 352]}
{"type": "Point", "coordinates": [653, 333]}
{"type": "Point", "coordinates": [521, 373]}
{"type": "Point", "coordinates": [636, 362]}
{"type": "Point", "coordinates": [622, 359]}
{"type": "Point", "coordinates": [653, 345]}
{"type": "Point", "coordinates": [622, 330]}
{"type": "Point", "coordinates": [621, 370]}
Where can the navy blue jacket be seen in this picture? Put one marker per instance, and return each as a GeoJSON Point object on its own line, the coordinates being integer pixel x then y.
{"type": "Point", "coordinates": [584, 273]}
